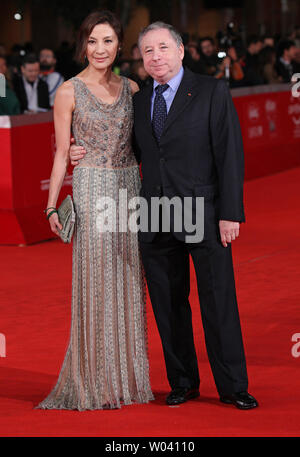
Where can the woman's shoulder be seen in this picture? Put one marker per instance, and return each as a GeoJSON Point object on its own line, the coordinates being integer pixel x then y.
{"type": "Point", "coordinates": [65, 94]}
{"type": "Point", "coordinates": [133, 85]}
{"type": "Point", "coordinates": [66, 88]}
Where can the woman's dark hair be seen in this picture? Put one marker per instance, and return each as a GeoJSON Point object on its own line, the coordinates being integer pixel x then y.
{"type": "Point", "coordinates": [93, 19]}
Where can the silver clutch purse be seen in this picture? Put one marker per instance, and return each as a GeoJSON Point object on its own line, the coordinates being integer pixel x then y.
{"type": "Point", "coordinates": [67, 216]}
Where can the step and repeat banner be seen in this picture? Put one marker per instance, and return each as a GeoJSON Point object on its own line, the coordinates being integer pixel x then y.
{"type": "Point", "coordinates": [270, 122]}
{"type": "Point", "coordinates": [27, 152]}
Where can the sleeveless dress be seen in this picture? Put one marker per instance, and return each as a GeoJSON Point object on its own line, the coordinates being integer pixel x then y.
{"type": "Point", "coordinates": [106, 363]}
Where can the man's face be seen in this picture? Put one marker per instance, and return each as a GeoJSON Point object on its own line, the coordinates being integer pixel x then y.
{"type": "Point", "coordinates": [269, 42]}
{"type": "Point", "coordinates": [255, 47]}
{"type": "Point", "coordinates": [291, 52]}
{"type": "Point", "coordinates": [207, 48]}
{"type": "Point", "coordinates": [162, 57]}
{"type": "Point", "coordinates": [3, 67]}
{"type": "Point", "coordinates": [193, 52]}
{"type": "Point", "coordinates": [47, 57]}
{"type": "Point", "coordinates": [31, 71]}
{"type": "Point", "coordinates": [259, 46]}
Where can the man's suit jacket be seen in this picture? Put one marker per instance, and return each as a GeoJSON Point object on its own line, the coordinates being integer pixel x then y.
{"type": "Point", "coordinates": [284, 71]}
{"type": "Point", "coordinates": [42, 93]}
{"type": "Point", "coordinates": [200, 152]}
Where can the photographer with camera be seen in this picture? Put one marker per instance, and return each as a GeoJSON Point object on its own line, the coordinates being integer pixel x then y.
{"type": "Point", "coordinates": [231, 67]}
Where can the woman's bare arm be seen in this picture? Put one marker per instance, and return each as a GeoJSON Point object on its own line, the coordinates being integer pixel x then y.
{"type": "Point", "coordinates": [63, 108]}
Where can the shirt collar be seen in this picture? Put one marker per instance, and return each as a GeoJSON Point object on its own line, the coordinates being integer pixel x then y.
{"type": "Point", "coordinates": [284, 62]}
{"type": "Point", "coordinates": [174, 82]}
{"type": "Point", "coordinates": [26, 83]}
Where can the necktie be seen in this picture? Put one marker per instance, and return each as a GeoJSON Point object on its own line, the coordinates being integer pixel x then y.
{"type": "Point", "coordinates": [159, 111]}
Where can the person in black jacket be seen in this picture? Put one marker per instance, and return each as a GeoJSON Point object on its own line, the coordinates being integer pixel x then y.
{"type": "Point", "coordinates": [286, 65]}
{"type": "Point", "coordinates": [9, 104]}
{"type": "Point", "coordinates": [252, 72]}
{"type": "Point", "coordinates": [188, 139]}
{"type": "Point", "coordinates": [193, 59]}
{"type": "Point", "coordinates": [209, 55]}
{"type": "Point", "coordinates": [32, 92]}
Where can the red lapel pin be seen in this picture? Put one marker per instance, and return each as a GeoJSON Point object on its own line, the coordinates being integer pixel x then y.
{"type": "Point", "coordinates": [189, 94]}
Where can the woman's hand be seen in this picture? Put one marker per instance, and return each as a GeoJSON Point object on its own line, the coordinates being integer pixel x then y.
{"type": "Point", "coordinates": [55, 225]}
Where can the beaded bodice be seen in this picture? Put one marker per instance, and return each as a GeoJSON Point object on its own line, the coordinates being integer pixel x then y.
{"type": "Point", "coordinates": [103, 129]}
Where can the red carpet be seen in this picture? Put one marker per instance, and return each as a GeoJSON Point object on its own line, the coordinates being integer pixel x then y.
{"type": "Point", "coordinates": [36, 317]}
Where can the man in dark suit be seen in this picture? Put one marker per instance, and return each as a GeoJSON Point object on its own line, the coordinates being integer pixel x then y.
{"type": "Point", "coordinates": [188, 139]}
{"type": "Point", "coordinates": [285, 64]}
{"type": "Point", "coordinates": [32, 92]}
{"type": "Point", "coordinates": [252, 74]}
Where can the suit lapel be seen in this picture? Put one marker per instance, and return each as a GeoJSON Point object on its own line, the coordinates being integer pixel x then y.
{"type": "Point", "coordinates": [147, 106]}
{"type": "Point", "coordinates": [184, 95]}
{"type": "Point", "coordinates": [39, 94]}
{"type": "Point", "coordinates": [23, 95]}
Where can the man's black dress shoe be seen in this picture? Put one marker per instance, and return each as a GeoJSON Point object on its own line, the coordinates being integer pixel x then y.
{"type": "Point", "coordinates": [241, 400]}
{"type": "Point", "coordinates": [181, 395]}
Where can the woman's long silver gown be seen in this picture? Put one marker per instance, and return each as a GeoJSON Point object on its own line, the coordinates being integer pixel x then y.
{"type": "Point", "coordinates": [106, 363]}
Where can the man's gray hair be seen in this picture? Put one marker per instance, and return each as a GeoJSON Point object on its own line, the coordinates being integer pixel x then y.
{"type": "Point", "coordinates": [160, 25]}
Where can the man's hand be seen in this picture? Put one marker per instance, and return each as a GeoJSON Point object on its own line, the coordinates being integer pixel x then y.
{"type": "Point", "coordinates": [76, 153]}
{"type": "Point", "coordinates": [229, 231]}
{"type": "Point", "coordinates": [225, 63]}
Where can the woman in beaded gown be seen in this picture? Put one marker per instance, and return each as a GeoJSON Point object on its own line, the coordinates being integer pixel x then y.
{"type": "Point", "coordinates": [106, 362]}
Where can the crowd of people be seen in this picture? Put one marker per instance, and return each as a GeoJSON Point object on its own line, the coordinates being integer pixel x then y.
{"type": "Point", "coordinates": [261, 61]}
{"type": "Point", "coordinates": [32, 78]}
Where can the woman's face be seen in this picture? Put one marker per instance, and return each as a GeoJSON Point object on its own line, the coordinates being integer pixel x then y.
{"type": "Point", "coordinates": [102, 46]}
